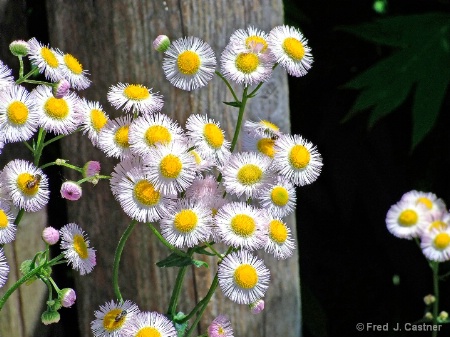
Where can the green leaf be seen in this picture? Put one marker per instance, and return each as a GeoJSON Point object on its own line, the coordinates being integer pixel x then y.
{"type": "Point", "coordinates": [174, 260]}
{"type": "Point", "coordinates": [234, 104]}
{"type": "Point", "coordinates": [202, 250]}
{"type": "Point", "coordinates": [199, 263]}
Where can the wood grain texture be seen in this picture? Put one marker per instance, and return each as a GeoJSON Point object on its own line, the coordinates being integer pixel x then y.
{"type": "Point", "coordinates": [113, 40]}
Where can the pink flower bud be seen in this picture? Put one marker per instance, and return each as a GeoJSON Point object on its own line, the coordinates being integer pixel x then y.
{"type": "Point", "coordinates": [50, 235]}
{"type": "Point", "coordinates": [68, 297]}
{"type": "Point", "coordinates": [161, 43]}
{"type": "Point", "coordinates": [61, 88]}
{"type": "Point", "coordinates": [91, 168]}
{"type": "Point", "coordinates": [71, 191]}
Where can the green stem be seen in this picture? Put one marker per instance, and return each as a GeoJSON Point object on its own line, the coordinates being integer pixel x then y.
{"type": "Point", "coordinates": [239, 120]}
{"type": "Point", "coordinates": [117, 255]}
{"type": "Point", "coordinates": [228, 85]}
{"type": "Point", "coordinates": [165, 242]}
{"type": "Point", "coordinates": [213, 250]}
{"type": "Point", "coordinates": [39, 146]}
{"type": "Point", "coordinates": [435, 268]}
{"type": "Point", "coordinates": [19, 216]}
{"type": "Point", "coordinates": [177, 289]}
{"type": "Point", "coordinates": [54, 139]}
{"type": "Point", "coordinates": [22, 79]}
{"type": "Point", "coordinates": [26, 277]}
{"type": "Point", "coordinates": [73, 167]}
{"type": "Point", "coordinates": [21, 66]}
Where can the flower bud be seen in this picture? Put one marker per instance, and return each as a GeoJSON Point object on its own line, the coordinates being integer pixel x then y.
{"type": "Point", "coordinates": [19, 48]}
{"type": "Point", "coordinates": [429, 299]}
{"type": "Point", "coordinates": [91, 168]}
{"type": "Point", "coordinates": [443, 316]}
{"type": "Point", "coordinates": [68, 297]}
{"type": "Point", "coordinates": [61, 88]}
{"type": "Point", "coordinates": [50, 317]}
{"type": "Point", "coordinates": [161, 43]}
{"type": "Point", "coordinates": [428, 315]}
{"type": "Point", "coordinates": [70, 190]}
{"type": "Point", "coordinates": [50, 235]}
{"type": "Point", "coordinates": [257, 306]}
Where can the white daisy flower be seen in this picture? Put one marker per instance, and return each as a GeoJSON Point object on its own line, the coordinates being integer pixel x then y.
{"type": "Point", "coordinates": [243, 277]}
{"type": "Point", "coordinates": [93, 119]}
{"type": "Point", "coordinates": [26, 184]}
{"type": "Point", "coordinates": [46, 59]}
{"type": "Point", "coordinates": [113, 139]}
{"type": "Point", "coordinates": [6, 79]}
{"type": "Point", "coordinates": [245, 66]}
{"type": "Point", "coordinates": [246, 173]}
{"type": "Point", "coordinates": [249, 38]}
{"type": "Point", "coordinates": [264, 146]}
{"type": "Point", "coordinates": [136, 98]}
{"type": "Point", "coordinates": [150, 324]}
{"type": "Point", "coordinates": [170, 167]}
{"type": "Point", "coordinates": [279, 240]}
{"type": "Point", "coordinates": [241, 226]}
{"type": "Point", "coordinates": [440, 221]}
{"type": "Point", "coordinates": [148, 130]}
{"type": "Point", "coordinates": [189, 63]}
{"type": "Point", "coordinates": [57, 115]}
{"type": "Point", "coordinates": [208, 138]}
{"type": "Point", "coordinates": [4, 268]}
{"type": "Point", "coordinates": [435, 244]}
{"type": "Point", "coordinates": [112, 318]}
{"type": "Point", "coordinates": [436, 206]}
{"type": "Point", "coordinates": [263, 128]}
{"type": "Point", "coordinates": [406, 220]}
{"type": "Point", "coordinates": [137, 195]}
{"type": "Point", "coordinates": [278, 198]}
{"type": "Point", "coordinates": [73, 72]}
{"type": "Point", "coordinates": [76, 250]}
{"type": "Point", "coordinates": [290, 49]}
{"type": "Point", "coordinates": [204, 189]}
{"type": "Point", "coordinates": [7, 226]}
{"type": "Point", "coordinates": [220, 327]}
{"type": "Point", "coordinates": [297, 159]}
{"type": "Point", "coordinates": [18, 114]}
{"type": "Point", "coordinates": [186, 223]}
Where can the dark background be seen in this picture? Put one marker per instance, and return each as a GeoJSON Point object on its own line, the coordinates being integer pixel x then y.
{"type": "Point", "coordinates": [347, 257]}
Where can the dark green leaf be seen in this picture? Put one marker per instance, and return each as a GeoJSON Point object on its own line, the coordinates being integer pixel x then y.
{"type": "Point", "coordinates": [199, 263]}
{"type": "Point", "coordinates": [234, 104]}
{"type": "Point", "coordinates": [174, 260]}
{"type": "Point", "coordinates": [202, 250]}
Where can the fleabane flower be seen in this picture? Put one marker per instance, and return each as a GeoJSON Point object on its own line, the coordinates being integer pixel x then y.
{"type": "Point", "coordinates": [148, 130]}
{"type": "Point", "coordinates": [4, 268]}
{"type": "Point", "coordinates": [290, 49]}
{"type": "Point", "coordinates": [6, 78]}
{"type": "Point", "coordinates": [170, 167]}
{"type": "Point", "coordinates": [76, 250]}
{"type": "Point", "coordinates": [220, 327]}
{"type": "Point", "coordinates": [57, 115]}
{"type": "Point", "coordinates": [7, 226]}
{"type": "Point", "coordinates": [136, 98]}
{"type": "Point", "coordinates": [189, 63]}
{"type": "Point", "coordinates": [150, 324]}
{"type": "Point", "coordinates": [67, 297]}
{"type": "Point", "coordinates": [91, 168]}
{"type": "Point", "coordinates": [113, 139]}
{"type": "Point", "coordinates": [61, 88]}
{"type": "Point", "coordinates": [246, 66]}
{"type": "Point", "coordinates": [112, 318]}
{"type": "Point", "coordinates": [135, 192]}
{"type": "Point", "coordinates": [279, 239]}
{"type": "Point", "coordinates": [440, 221]}
{"type": "Point", "coordinates": [73, 72]}
{"type": "Point", "coordinates": [161, 43]}
{"type": "Point", "coordinates": [257, 307]}
{"type": "Point", "coordinates": [278, 197]}
{"type": "Point", "coordinates": [434, 205]}
{"type": "Point", "coordinates": [208, 138]}
{"type": "Point", "coordinates": [46, 59]}
{"type": "Point", "coordinates": [186, 223]}
{"type": "Point", "coordinates": [19, 48]}
{"type": "Point", "coordinates": [204, 188]}
{"type": "Point", "coordinates": [93, 119]}
{"type": "Point", "coordinates": [262, 145]}
{"type": "Point", "coordinates": [263, 128]}
{"type": "Point", "coordinates": [406, 220]}
{"type": "Point", "coordinates": [246, 173]}
{"type": "Point", "coordinates": [18, 115]}
{"type": "Point", "coordinates": [241, 226]}
{"type": "Point", "coordinates": [243, 277]}
{"type": "Point", "coordinates": [70, 190]}
{"type": "Point", "coordinates": [249, 38]}
{"type": "Point", "coordinates": [26, 184]}
{"type": "Point", "coordinates": [50, 235]}
{"type": "Point", "coordinates": [297, 159]}
{"type": "Point", "coordinates": [435, 244]}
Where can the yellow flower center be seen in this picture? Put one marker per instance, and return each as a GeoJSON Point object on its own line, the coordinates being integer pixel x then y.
{"type": "Point", "coordinates": [266, 146]}
{"type": "Point", "coordinates": [186, 221]}
{"type": "Point", "coordinates": [49, 57]}
{"type": "Point", "coordinates": [136, 92]}
{"type": "Point", "coordinates": [157, 134]}
{"type": "Point", "coordinates": [196, 156]}
{"type": "Point", "coordinates": [72, 64]}
{"type": "Point", "coordinates": [145, 193]}
{"type": "Point", "coordinates": [25, 184]}
{"type": "Point", "coordinates": [441, 241]}
{"type": "Point", "coordinates": [56, 108]}
{"type": "Point", "coordinates": [213, 135]}
{"type": "Point", "coordinates": [3, 219]}
{"type": "Point", "coordinates": [247, 62]}
{"type": "Point", "coordinates": [299, 157]}
{"type": "Point", "coordinates": [188, 62]}
{"type": "Point", "coordinates": [408, 218]}
{"type": "Point", "coordinates": [279, 196]}
{"type": "Point", "coordinates": [425, 201]}
{"type": "Point", "coordinates": [17, 113]}
{"type": "Point", "coordinates": [170, 166]}
{"type": "Point", "coordinates": [79, 246]}
{"type": "Point", "coordinates": [243, 225]}
{"type": "Point", "coordinates": [278, 231]}
{"type": "Point", "coordinates": [98, 119]}
{"type": "Point", "coordinates": [245, 276]}
{"type": "Point", "coordinates": [110, 321]}
{"type": "Point", "coordinates": [294, 48]}
{"type": "Point", "coordinates": [438, 224]}
{"type": "Point", "coordinates": [269, 125]}
{"type": "Point", "coordinates": [249, 174]}
{"type": "Point", "coordinates": [121, 136]}
{"type": "Point", "coordinates": [148, 332]}
{"type": "Point", "coordinates": [253, 40]}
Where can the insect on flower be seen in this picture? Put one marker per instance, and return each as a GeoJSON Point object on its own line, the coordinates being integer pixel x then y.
{"type": "Point", "coordinates": [120, 315]}
{"type": "Point", "coordinates": [35, 181]}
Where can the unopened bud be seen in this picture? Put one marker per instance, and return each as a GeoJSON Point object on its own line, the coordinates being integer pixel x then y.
{"type": "Point", "coordinates": [50, 317]}
{"type": "Point", "coordinates": [429, 299]}
{"type": "Point", "coordinates": [61, 88]}
{"type": "Point", "coordinates": [50, 235]}
{"type": "Point", "coordinates": [19, 48]}
{"type": "Point", "coordinates": [70, 190]}
{"type": "Point", "coordinates": [68, 297]}
{"type": "Point", "coordinates": [161, 43]}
